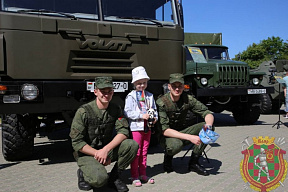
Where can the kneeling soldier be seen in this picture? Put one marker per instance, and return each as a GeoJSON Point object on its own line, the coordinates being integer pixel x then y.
{"type": "Point", "coordinates": [173, 108]}
{"type": "Point", "coordinates": [93, 142]}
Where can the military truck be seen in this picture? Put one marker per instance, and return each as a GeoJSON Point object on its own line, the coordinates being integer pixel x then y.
{"type": "Point", "coordinates": [51, 51]}
{"type": "Point", "coordinates": [221, 83]}
{"type": "Point", "coordinates": [271, 103]}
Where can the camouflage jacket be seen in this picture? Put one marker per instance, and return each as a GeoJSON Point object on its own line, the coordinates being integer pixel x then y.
{"type": "Point", "coordinates": [95, 127]}
{"type": "Point", "coordinates": [173, 115]}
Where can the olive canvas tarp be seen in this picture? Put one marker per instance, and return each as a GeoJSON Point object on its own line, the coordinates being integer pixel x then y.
{"type": "Point", "coordinates": [203, 38]}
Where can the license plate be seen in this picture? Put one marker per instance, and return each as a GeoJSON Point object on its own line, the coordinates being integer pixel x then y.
{"type": "Point", "coordinates": [256, 91]}
{"type": "Point", "coordinates": [118, 86]}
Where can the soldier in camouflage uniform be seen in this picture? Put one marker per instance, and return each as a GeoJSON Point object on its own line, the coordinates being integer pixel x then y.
{"type": "Point", "coordinates": [173, 108]}
{"type": "Point", "coordinates": [93, 142]}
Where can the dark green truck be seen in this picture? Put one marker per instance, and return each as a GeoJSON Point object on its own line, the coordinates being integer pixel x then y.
{"type": "Point", "coordinates": [271, 103]}
{"type": "Point", "coordinates": [51, 51]}
{"type": "Point", "coordinates": [221, 83]}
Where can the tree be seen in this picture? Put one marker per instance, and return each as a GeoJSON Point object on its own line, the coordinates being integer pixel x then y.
{"type": "Point", "coordinates": [273, 48]}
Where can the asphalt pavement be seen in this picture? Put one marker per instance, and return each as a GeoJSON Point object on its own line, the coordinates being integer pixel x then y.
{"type": "Point", "coordinates": [53, 169]}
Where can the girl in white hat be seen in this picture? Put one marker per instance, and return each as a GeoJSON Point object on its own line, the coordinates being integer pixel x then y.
{"type": "Point", "coordinates": [137, 103]}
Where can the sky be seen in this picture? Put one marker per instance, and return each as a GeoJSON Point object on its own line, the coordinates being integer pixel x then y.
{"type": "Point", "coordinates": [241, 22]}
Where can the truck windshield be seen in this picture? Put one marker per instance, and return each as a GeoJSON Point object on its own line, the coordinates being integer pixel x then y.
{"type": "Point", "coordinates": [195, 54]}
{"type": "Point", "coordinates": [215, 53]}
{"type": "Point", "coordinates": [133, 11]}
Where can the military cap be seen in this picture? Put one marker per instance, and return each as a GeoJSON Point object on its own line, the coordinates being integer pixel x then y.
{"type": "Point", "coordinates": [176, 77]}
{"type": "Point", "coordinates": [103, 82]}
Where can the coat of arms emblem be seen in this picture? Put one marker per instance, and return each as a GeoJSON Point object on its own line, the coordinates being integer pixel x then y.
{"type": "Point", "coordinates": [263, 167]}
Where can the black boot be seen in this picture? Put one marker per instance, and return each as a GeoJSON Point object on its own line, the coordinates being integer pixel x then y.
{"type": "Point", "coordinates": [82, 184]}
{"type": "Point", "coordinates": [167, 164]}
{"type": "Point", "coordinates": [195, 166]}
{"type": "Point", "coordinates": [114, 180]}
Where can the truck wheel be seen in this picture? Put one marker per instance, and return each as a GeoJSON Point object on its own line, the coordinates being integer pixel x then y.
{"type": "Point", "coordinates": [246, 115]}
{"type": "Point", "coordinates": [265, 104]}
{"type": "Point", "coordinates": [17, 137]}
{"type": "Point", "coordinates": [216, 108]}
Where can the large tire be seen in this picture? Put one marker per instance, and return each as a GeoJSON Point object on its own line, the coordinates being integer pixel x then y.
{"type": "Point", "coordinates": [246, 114]}
{"type": "Point", "coordinates": [17, 137]}
{"type": "Point", "coordinates": [216, 108]}
{"type": "Point", "coordinates": [265, 103]}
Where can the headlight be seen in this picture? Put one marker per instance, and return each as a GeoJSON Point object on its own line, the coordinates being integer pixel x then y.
{"type": "Point", "coordinates": [29, 91]}
{"type": "Point", "coordinates": [204, 81]}
{"type": "Point", "coordinates": [255, 81]}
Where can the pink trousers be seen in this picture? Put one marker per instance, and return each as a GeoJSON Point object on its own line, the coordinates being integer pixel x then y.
{"type": "Point", "coordinates": [140, 161]}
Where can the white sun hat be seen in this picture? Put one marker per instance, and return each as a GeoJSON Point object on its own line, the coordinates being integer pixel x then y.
{"type": "Point", "coordinates": [139, 73]}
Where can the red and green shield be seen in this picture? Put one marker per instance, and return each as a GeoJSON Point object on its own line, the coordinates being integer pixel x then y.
{"type": "Point", "coordinates": [277, 167]}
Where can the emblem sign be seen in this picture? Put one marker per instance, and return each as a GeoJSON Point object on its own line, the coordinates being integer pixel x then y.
{"type": "Point", "coordinates": [263, 167]}
{"type": "Point", "coordinates": [101, 44]}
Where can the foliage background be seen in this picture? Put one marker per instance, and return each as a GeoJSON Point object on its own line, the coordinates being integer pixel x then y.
{"type": "Point", "coordinates": [271, 49]}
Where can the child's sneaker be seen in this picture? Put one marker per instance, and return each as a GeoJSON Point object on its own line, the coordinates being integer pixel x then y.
{"type": "Point", "coordinates": [137, 183]}
{"type": "Point", "coordinates": [146, 179]}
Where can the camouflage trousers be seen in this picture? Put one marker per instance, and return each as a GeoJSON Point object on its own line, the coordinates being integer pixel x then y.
{"type": "Point", "coordinates": [173, 146]}
{"type": "Point", "coordinates": [96, 174]}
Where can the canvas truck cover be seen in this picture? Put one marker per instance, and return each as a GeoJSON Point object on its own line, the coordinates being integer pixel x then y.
{"type": "Point", "coordinates": [203, 38]}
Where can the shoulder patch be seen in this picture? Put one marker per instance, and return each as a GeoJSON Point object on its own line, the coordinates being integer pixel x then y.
{"type": "Point", "coordinates": [123, 121]}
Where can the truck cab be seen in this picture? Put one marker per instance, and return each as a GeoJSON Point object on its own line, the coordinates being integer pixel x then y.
{"type": "Point", "coordinates": [223, 84]}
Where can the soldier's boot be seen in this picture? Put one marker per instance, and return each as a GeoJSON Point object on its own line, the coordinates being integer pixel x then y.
{"type": "Point", "coordinates": [114, 180]}
{"type": "Point", "coordinates": [167, 164]}
{"type": "Point", "coordinates": [82, 184]}
{"type": "Point", "coordinates": [195, 166]}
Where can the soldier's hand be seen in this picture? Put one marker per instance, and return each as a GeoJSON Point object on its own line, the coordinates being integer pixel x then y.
{"type": "Point", "coordinates": [108, 161]}
{"type": "Point", "coordinates": [195, 139]}
{"type": "Point", "coordinates": [101, 156]}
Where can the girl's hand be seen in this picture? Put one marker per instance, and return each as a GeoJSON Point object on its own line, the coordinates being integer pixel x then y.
{"type": "Point", "coordinates": [145, 116]}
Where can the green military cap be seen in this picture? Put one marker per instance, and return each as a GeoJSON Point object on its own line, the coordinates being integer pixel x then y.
{"type": "Point", "coordinates": [176, 77]}
{"type": "Point", "coordinates": [103, 82]}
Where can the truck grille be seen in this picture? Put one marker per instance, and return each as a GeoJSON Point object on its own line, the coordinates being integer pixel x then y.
{"type": "Point", "coordinates": [101, 62]}
{"type": "Point", "coordinates": [233, 75]}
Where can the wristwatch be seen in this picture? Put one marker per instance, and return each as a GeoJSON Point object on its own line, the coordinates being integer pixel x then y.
{"type": "Point", "coordinates": [207, 127]}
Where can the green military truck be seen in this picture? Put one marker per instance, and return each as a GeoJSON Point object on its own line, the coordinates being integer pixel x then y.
{"type": "Point", "coordinates": [221, 83]}
{"type": "Point", "coordinates": [271, 103]}
{"type": "Point", "coordinates": [51, 51]}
